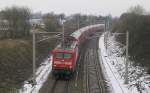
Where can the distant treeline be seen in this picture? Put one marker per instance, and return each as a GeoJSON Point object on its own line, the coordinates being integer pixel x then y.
{"type": "Point", "coordinates": [53, 22]}
{"type": "Point", "coordinates": [15, 22]}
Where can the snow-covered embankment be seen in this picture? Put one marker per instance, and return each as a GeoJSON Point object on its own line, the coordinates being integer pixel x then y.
{"type": "Point", "coordinates": [114, 64]}
{"type": "Point", "coordinates": [41, 76]}
{"type": "Point", "coordinates": [110, 72]}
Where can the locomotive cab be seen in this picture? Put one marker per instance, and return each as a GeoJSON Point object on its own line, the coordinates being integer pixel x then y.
{"type": "Point", "coordinates": [63, 62]}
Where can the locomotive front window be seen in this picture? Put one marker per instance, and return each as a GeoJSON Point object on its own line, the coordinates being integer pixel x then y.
{"type": "Point", "coordinates": [67, 55]}
{"type": "Point", "coordinates": [59, 55]}
{"type": "Point", "coordinates": [63, 55]}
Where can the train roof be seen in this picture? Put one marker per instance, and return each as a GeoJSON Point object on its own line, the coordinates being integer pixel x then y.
{"type": "Point", "coordinates": [63, 51]}
{"type": "Point", "coordinates": [66, 47]}
{"type": "Point", "coordinates": [74, 39]}
{"type": "Point", "coordinates": [78, 32]}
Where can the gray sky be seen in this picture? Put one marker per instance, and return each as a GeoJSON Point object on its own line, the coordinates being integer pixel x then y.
{"type": "Point", "coordinates": [98, 7]}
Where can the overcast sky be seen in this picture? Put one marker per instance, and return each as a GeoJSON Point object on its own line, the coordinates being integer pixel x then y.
{"type": "Point", "coordinates": [98, 7]}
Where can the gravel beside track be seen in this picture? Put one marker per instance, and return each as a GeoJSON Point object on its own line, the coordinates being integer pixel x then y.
{"type": "Point", "coordinates": [60, 86]}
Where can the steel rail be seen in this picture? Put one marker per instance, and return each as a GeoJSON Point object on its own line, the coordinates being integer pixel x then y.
{"type": "Point", "coordinates": [87, 73]}
{"type": "Point", "coordinates": [99, 74]}
{"type": "Point", "coordinates": [54, 86]}
{"type": "Point", "coordinates": [66, 87]}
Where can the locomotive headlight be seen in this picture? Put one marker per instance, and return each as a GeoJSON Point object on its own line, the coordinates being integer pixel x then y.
{"type": "Point", "coordinates": [67, 63]}
{"type": "Point", "coordinates": [57, 62]}
{"type": "Point", "coordinates": [54, 65]}
{"type": "Point", "coordinates": [70, 66]}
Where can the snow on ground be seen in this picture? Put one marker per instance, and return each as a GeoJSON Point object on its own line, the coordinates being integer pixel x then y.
{"type": "Point", "coordinates": [111, 72]}
{"type": "Point", "coordinates": [41, 76]}
{"type": "Point", "coordinates": [114, 63]}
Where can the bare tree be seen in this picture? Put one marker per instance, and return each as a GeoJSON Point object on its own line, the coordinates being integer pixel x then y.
{"type": "Point", "coordinates": [51, 22]}
{"type": "Point", "coordinates": [18, 20]}
{"type": "Point", "coordinates": [139, 10]}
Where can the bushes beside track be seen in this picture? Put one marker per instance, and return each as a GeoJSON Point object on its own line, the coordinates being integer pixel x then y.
{"type": "Point", "coordinates": [16, 61]}
{"type": "Point", "coordinates": [139, 33]}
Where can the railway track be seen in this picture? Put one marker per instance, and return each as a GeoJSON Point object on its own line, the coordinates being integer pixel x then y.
{"type": "Point", "coordinates": [60, 86]}
{"type": "Point", "coordinates": [95, 83]}
{"type": "Point", "coordinates": [55, 86]}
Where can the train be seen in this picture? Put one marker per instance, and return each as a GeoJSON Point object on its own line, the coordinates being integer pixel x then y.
{"type": "Point", "coordinates": [65, 55]}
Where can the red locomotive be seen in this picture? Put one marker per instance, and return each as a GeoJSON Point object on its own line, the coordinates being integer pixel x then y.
{"type": "Point", "coordinates": [64, 56]}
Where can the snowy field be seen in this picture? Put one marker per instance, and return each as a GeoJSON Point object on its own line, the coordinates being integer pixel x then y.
{"type": "Point", "coordinates": [114, 63]}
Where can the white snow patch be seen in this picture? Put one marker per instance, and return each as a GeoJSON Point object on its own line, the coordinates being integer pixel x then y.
{"type": "Point", "coordinates": [41, 76]}
{"type": "Point", "coordinates": [114, 62]}
{"type": "Point", "coordinates": [113, 78]}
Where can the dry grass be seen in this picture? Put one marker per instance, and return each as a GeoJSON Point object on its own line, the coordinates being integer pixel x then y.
{"type": "Point", "coordinates": [9, 43]}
